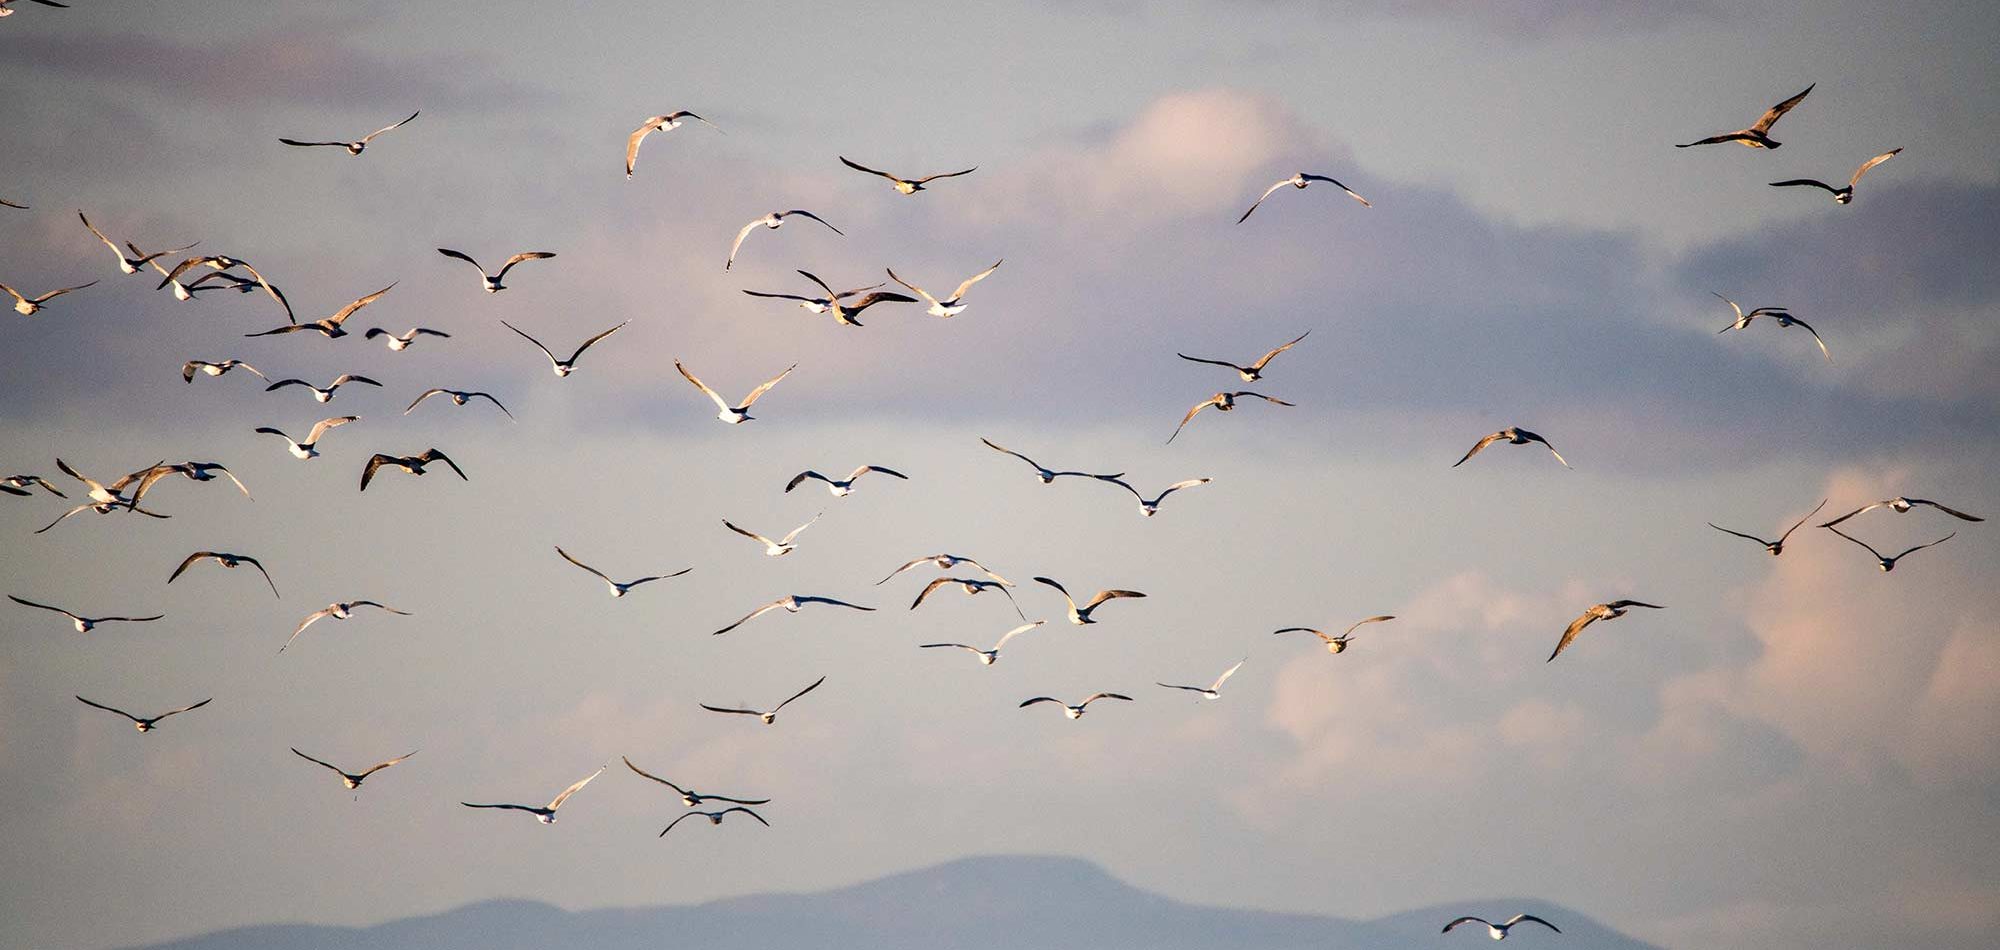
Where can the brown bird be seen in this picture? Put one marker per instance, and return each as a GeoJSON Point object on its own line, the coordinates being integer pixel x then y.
{"type": "Point", "coordinates": [1757, 135]}
{"type": "Point", "coordinates": [411, 464]}
{"type": "Point", "coordinates": [1610, 611]}
{"type": "Point", "coordinates": [226, 560]}
{"type": "Point", "coordinates": [1223, 402]}
{"type": "Point", "coordinates": [1513, 435]}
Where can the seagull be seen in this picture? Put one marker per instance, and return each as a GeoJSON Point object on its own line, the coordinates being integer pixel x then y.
{"type": "Point", "coordinates": [715, 817]}
{"type": "Point", "coordinates": [1901, 505]}
{"type": "Point", "coordinates": [5, 12]}
{"type": "Point", "coordinates": [146, 725]}
{"type": "Point", "coordinates": [353, 780]}
{"type": "Point", "coordinates": [84, 624]}
{"type": "Point", "coordinates": [491, 282]}
{"type": "Point", "coordinates": [778, 548]}
{"type": "Point", "coordinates": [1774, 548]}
{"type": "Point", "coordinates": [194, 472]}
{"type": "Point", "coordinates": [1076, 711]}
{"type": "Point", "coordinates": [955, 304]}
{"type": "Point", "coordinates": [815, 304]}
{"type": "Point", "coordinates": [987, 657]}
{"type": "Point", "coordinates": [1512, 435]}
{"type": "Point", "coordinates": [218, 263]}
{"type": "Point", "coordinates": [1845, 195]}
{"type": "Point", "coordinates": [793, 603]}
{"type": "Point", "coordinates": [331, 326]}
{"type": "Point", "coordinates": [1254, 371]}
{"type": "Point", "coordinates": [546, 814]}
{"type": "Point", "coordinates": [207, 368]}
{"type": "Point", "coordinates": [1780, 315]}
{"type": "Point", "coordinates": [309, 449]}
{"type": "Point", "coordinates": [410, 464]}
{"type": "Point", "coordinates": [845, 314]}
{"type": "Point", "coordinates": [774, 221]}
{"type": "Point", "coordinates": [944, 562]}
{"type": "Point", "coordinates": [618, 589]}
{"type": "Point", "coordinates": [768, 717]}
{"type": "Point", "coordinates": [1300, 181]}
{"type": "Point", "coordinates": [17, 484]}
{"type": "Point", "coordinates": [1757, 135]}
{"type": "Point", "coordinates": [400, 343]}
{"type": "Point", "coordinates": [690, 797]}
{"type": "Point", "coordinates": [338, 611]}
{"type": "Point", "coordinates": [841, 487]}
{"type": "Point", "coordinates": [1339, 643]}
{"type": "Point", "coordinates": [326, 394]}
{"type": "Point", "coordinates": [1610, 611]}
{"type": "Point", "coordinates": [971, 587]}
{"type": "Point", "coordinates": [104, 497]}
{"type": "Point", "coordinates": [908, 186]}
{"type": "Point", "coordinates": [29, 306]}
{"type": "Point", "coordinates": [1223, 402]}
{"type": "Point", "coordinates": [226, 560]}
{"type": "Point", "coordinates": [353, 148]}
{"type": "Point", "coordinates": [1888, 564]}
{"type": "Point", "coordinates": [1081, 616]}
{"type": "Point", "coordinates": [129, 265]}
{"type": "Point", "coordinates": [738, 414]}
{"type": "Point", "coordinates": [102, 509]}
{"type": "Point", "coordinates": [1212, 690]}
{"type": "Point", "coordinates": [457, 398]}
{"type": "Point", "coordinates": [657, 123]}
{"type": "Point", "coordinates": [1499, 931]}
{"type": "Point", "coordinates": [1046, 475]}
{"type": "Point", "coordinates": [1151, 507]}
{"type": "Point", "coordinates": [568, 366]}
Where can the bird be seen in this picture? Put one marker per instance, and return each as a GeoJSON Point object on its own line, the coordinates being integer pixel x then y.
{"type": "Point", "coordinates": [338, 611]}
{"type": "Point", "coordinates": [329, 327]}
{"type": "Point", "coordinates": [690, 797]}
{"type": "Point", "coordinates": [778, 548]}
{"type": "Point", "coordinates": [845, 314]}
{"type": "Point", "coordinates": [410, 464]}
{"type": "Point", "coordinates": [81, 623]}
{"type": "Point", "coordinates": [1081, 615]}
{"type": "Point", "coordinates": [773, 221]}
{"type": "Point", "coordinates": [815, 304]}
{"type": "Point", "coordinates": [1756, 136]}
{"type": "Point", "coordinates": [955, 304]}
{"type": "Point", "coordinates": [841, 487]}
{"type": "Point", "coordinates": [106, 497]}
{"type": "Point", "coordinates": [1901, 505]}
{"type": "Point", "coordinates": [740, 413]}
{"type": "Point", "coordinates": [908, 186]}
{"type": "Point", "coordinates": [207, 368]}
{"type": "Point", "coordinates": [568, 366]}
{"type": "Point", "coordinates": [146, 724]}
{"type": "Point", "coordinates": [309, 449]}
{"type": "Point", "coordinates": [1046, 475]}
{"type": "Point", "coordinates": [1596, 612]}
{"type": "Point", "coordinates": [492, 282]}
{"type": "Point", "coordinates": [1845, 195]}
{"type": "Point", "coordinates": [971, 586]}
{"type": "Point", "coordinates": [1335, 644]}
{"type": "Point", "coordinates": [1212, 690]}
{"type": "Point", "coordinates": [1888, 564]}
{"type": "Point", "coordinates": [400, 343]}
{"type": "Point", "coordinates": [1151, 507]}
{"type": "Point", "coordinates": [217, 263]}
{"type": "Point", "coordinates": [657, 123]}
{"type": "Point", "coordinates": [987, 657]}
{"type": "Point", "coordinates": [1223, 402]}
{"type": "Point", "coordinates": [546, 814]}
{"type": "Point", "coordinates": [18, 484]}
{"type": "Point", "coordinates": [458, 398]}
{"type": "Point", "coordinates": [226, 560]}
{"type": "Point", "coordinates": [1779, 315]}
{"type": "Point", "coordinates": [128, 265]}
{"type": "Point", "coordinates": [353, 780]}
{"type": "Point", "coordinates": [1499, 931]}
{"type": "Point", "coordinates": [943, 562]}
{"type": "Point", "coordinates": [353, 148]}
{"type": "Point", "coordinates": [1774, 548]}
{"type": "Point", "coordinates": [1254, 371]}
{"type": "Point", "coordinates": [1300, 181]}
{"type": "Point", "coordinates": [767, 717]}
{"type": "Point", "coordinates": [618, 589]}
{"type": "Point", "coordinates": [5, 12]}
{"type": "Point", "coordinates": [714, 817]}
{"type": "Point", "coordinates": [793, 603]}
{"type": "Point", "coordinates": [325, 394]}
{"type": "Point", "coordinates": [194, 472]}
{"type": "Point", "coordinates": [1076, 711]}
{"type": "Point", "coordinates": [29, 306]}
{"type": "Point", "coordinates": [1512, 435]}
{"type": "Point", "coordinates": [102, 509]}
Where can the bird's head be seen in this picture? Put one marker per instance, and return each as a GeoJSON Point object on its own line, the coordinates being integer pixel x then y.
{"type": "Point", "coordinates": [768, 718]}
{"type": "Point", "coordinates": [354, 148]}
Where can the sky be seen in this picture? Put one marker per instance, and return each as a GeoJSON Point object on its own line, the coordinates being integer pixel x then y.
{"type": "Point", "coordinates": [1800, 751]}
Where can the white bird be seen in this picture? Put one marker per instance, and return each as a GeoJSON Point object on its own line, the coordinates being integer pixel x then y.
{"type": "Point", "coordinates": [843, 313]}
{"type": "Point", "coordinates": [767, 717]}
{"type": "Point", "coordinates": [409, 464]}
{"type": "Point", "coordinates": [987, 657]}
{"type": "Point", "coordinates": [1499, 931]}
{"type": "Point", "coordinates": [29, 306]}
{"type": "Point", "coordinates": [231, 561]}
{"type": "Point", "coordinates": [1045, 474]}
{"type": "Point", "coordinates": [1902, 506]}
{"type": "Point", "coordinates": [1081, 615]}
{"type": "Point", "coordinates": [309, 449]}
{"type": "Point", "coordinates": [955, 304]}
{"type": "Point", "coordinates": [792, 603]}
{"type": "Point", "coordinates": [1300, 181]}
{"type": "Point", "coordinates": [971, 586]}
{"type": "Point", "coordinates": [1845, 195]}
{"type": "Point", "coordinates": [1779, 315]}
{"type": "Point", "coordinates": [815, 304]}
{"type": "Point", "coordinates": [1223, 402]}
{"type": "Point", "coordinates": [943, 562]}
{"type": "Point", "coordinates": [217, 263]}
{"type": "Point", "coordinates": [1151, 506]}
{"type": "Point", "coordinates": [1756, 136]}
{"type": "Point", "coordinates": [841, 487]}
{"type": "Point", "coordinates": [325, 394]}
{"type": "Point", "coordinates": [194, 472]}
{"type": "Point", "coordinates": [1774, 548]}
{"type": "Point", "coordinates": [146, 724]}
{"type": "Point", "coordinates": [738, 414]}
{"type": "Point", "coordinates": [690, 797]}
{"type": "Point", "coordinates": [714, 817]}
{"type": "Point", "coordinates": [1212, 690]}
{"type": "Point", "coordinates": [1888, 563]}
{"type": "Point", "coordinates": [338, 611]}
{"type": "Point", "coordinates": [353, 148]}
{"type": "Point", "coordinates": [330, 327]}
{"type": "Point", "coordinates": [492, 282]}
{"type": "Point", "coordinates": [207, 368]}
{"type": "Point", "coordinates": [106, 499]}
{"type": "Point", "coordinates": [1596, 612]}
{"type": "Point", "coordinates": [129, 265]}
{"type": "Point", "coordinates": [657, 123]}
{"type": "Point", "coordinates": [1512, 435]}
{"type": "Point", "coordinates": [1254, 371]}
{"type": "Point", "coordinates": [618, 589]}
{"type": "Point", "coordinates": [773, 221]}
{"type": "Point", "coordinates": [1076, 711]}
{"type": "Point", "coordinates": [458, 398]}
{"type": "Point", "coordinates": [81, 623]}
{"type": "Point", "coordinates": [353, 780]}
{"type": "Point", "coordinates": [778, 548]}
{"type": "Point", "coordinates": [908, 186]}
{"type": "Point", "coordinates": [568, 366]}
{"type": "Point", "coordinates": [1335, 644]}
{"type": "Point", "coordinates": [401, 343]}
{"type": "Point", "coordinates": [546, 814]}
{"type": "Point", "coordinates": [5, 11]}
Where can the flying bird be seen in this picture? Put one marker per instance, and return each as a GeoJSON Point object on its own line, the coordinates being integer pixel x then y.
{"type": "Point", "coordinates": [1845, 195]}
{"type": "Point", "coordinates": [309, 449]}
{"type": "Point", "coordinates": [1888, 564]}
{"type": "Point", "coordinates": [207, 368]}
{"type": "Point", "coordinates": [568, 366]}
{"type": "Point", "coordinates": [1081, 615]}
{"type": "Point", "coordinates": [231, 561]}
{"type": "Point", "coordinates": [1151, 506]}
{"type": "Point", "coordinates": [410, 464]}
{"type": "Point", "coordinates": [971, 586]}
{"type": "Point", "coordinates": [618, 589]}
{"type": "Point", "coordinates": [792, 603]}
{"type": "Point", "coordinates": [1223, 402]}
{"type": "Point", "coordinates": [146, 724]}
{"type": "Point", "coordinates": [325, 394]}
{"type": "Point", "coordinates": [955, 304]}
{"type": "Point", "coordinates": [987, 657]}
{"type": "Point", "coordinates": [846, 314]}
{"type": "Point", "coordinates": [29, 306]}
{"type": "Point", "coordinates": [1610, 611]}
{"type": "Point", "coordinates": [1774, 548]}
{"type": "Point", "coordinates": [778, 548]}
{"type": "Point", "coordinates": [1499, 931]}
{"type": "Point", "coordinates": [217, 263]}
{"type": "Point", "coordinates": [546, 814]}
{"type": "Point", "coordinates": [81, 623]}
{"type": "Point", "coordinates": [1212, 690]}
{"type": "Point", "coordinates": [1778, 315]}
{"type": "Point", "coordinates": [657, 123]}
{"type": "Point", "coordinates": [338, 611]}
{"type": "Point", "coordinates": [943, 562]}
{"type": "Point", "coordinates": [773, 221]}
{"type": "Point", "coordinates": [18, 484]}
{"type": "Point", "coordinates": [815, 304]}
{"type": "Point", "coordinates": [740, 413]}
{"type": "Point", "coordinates": [194, 472]}
{"type": "Point", "coordinates": [1076, 711]}
{"type": "Point", "coordinates": [129, 265]}
{"type": "Point", "coordinates": [1756, 136]}
{"type": "Point", "coordinates": [1045, 474]}
{"type": "Point", "coordinates": [715, 817]}
{"type": "Point", "coordinates": [492, 282]}
{"type": "Point", "coordinates": [841, 487]}
{"type": "Point", "coordinates": [1335, 644]}
{"type": "Point", "coordinates": [353, 148]}
{"type": "Point", "coordinates": [329, 327]}
{"type": "Point", "coordinates": [1300, 181]}
{"type": "Point", "coordinates": [690, 797]}
{"type": "Point", "coordinates": [458, 398]}
{"type": "Point", "coordinates": [1254, 371]}
{"type": "Point", "coordinates": [1512, 435]}
{"type": "Point", "coordinates": [4, 201]}
{"type": "Point", "coordinates": [767, 717]}
{"type": "Point", "coordinates": [908, 186]}
{"type": "Point", "coordinates": [400, 343]}
{"type": "Point", "coordinates": [353, 780]}
{"type": "Point", "coordinates": [1902, 506]}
